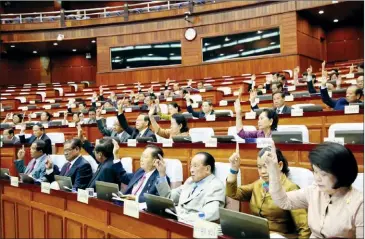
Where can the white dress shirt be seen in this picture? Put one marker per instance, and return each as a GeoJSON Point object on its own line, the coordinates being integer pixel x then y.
{"type": "Point", "coordinates": [147, 176]}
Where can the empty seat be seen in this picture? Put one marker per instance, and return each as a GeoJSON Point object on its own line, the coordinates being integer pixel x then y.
{"type": "Point", "coordinates": [127, 163]}
{"type": "Point", "coordinates": [301, 176]}
{"type": "Point", "coordinates": [174, 171]}
{"type": "Point", "coordinates": [56, 138]}
{"type": "Point", "coordinates": [201, 134]}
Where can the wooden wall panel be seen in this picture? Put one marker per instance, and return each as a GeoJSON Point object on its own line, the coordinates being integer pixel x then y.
{"type": "Point", "coordinates": [73, 229]}
{"type": "Point", "coordinates": [38, 224]}
{"type": "Point", "coordinates": [54, 226]}
{"type": "Point", "coordinates": [23, 221]}
{"type": "Point", "coordinates": [91, 232]}
{"type": "Point", "coordinates": [345, 43]}
{"type": "Point", "coordinates": [9, 228]}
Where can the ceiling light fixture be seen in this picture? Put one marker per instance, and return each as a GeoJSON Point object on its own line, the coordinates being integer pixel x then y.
{"type": "Point", "coordinates": [55, 44]}
{"type": "Point", "coordinates": [172, 54]}
{"type": "Point", "coordinates": [73, 49]}
{"type": "Point", "coordinates": [227, 39]}
{"type": "Point", "coordinates": [259, 32]}
{"type": "Point", "coordinates": [334, 1]}
{"type": "Point", "coordinates": [272, 43]}
{"type": "Point", "coordinates": [336, 20]}
{"type": "Point", "coordinates": [241, 50]}
{"type": "Point", "coordinates": [221, 54]}
{"type": "Point", "coordinates": [93, 41]}
{"type": "Point", "coordinates": [12, 46]}
{"type": "Point", "coordinates": [34, 52]}
{"type": "Point", "coordinates": [321, 12]}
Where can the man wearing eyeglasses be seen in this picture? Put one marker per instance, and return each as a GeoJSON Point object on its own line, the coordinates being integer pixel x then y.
{"type": "Point", "coordinates": [77, 168]}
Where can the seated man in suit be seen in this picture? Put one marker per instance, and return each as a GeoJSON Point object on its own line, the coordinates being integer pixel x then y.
{"type": "Point", "coordinates": [38, 134]}
{"type": "Point", "coordinates": [142, 125]}
{"type": "Point", "coordinates": [9, 137]}
{"type": "Point", "coordinates": [77, 168]}
{"type": "Point", "coordinates": [92, 116]}
{"type": "Point", "coordinates": [145, 178]}
{"type": "Point", "coordinates": [360, 82]}
{"type": "Point", "coordinates": [116, 131]}
{"type": "Point", "coordinates": [353, 95]}
{"type": "Point", "coordinates": [110, 170]}
{"type": "Point", "coordinates": [36, 168]}
{"type": "Point", "coordinates": [207, 108]}
{"type": "Point", "coordinates": [202, 192]}
{"type": "Point", "coordinates": [278, 99]}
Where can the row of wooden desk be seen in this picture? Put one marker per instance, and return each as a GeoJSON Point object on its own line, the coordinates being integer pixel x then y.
{"type": "Point", "coordinates": [317, 123]}
{"type": "Point", "coordinates": [28, 213]}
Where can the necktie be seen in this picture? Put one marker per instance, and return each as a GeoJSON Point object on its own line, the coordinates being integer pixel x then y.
{"type": "Point", "coordinates": [139, 185]}
{"type": "Point", "coordinates": [278, 110]}
{"type": "Point", "coordinates": [68, 167]}
{"type": "Point", "coordinates": [192, 191]}
{"type": "Point", "coordinates": [30, 169]}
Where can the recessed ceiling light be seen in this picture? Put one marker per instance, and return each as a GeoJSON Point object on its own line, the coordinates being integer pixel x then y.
{"type": "Point", "coordinates": [241, 50]}
{"type": "Point", "coordinates": [93, 41]}
{"type": "Point", "coordinates": [55, 44]}
{"type": "Point", "coordinates": [321, 12]}
{"type": "Point", "coordinates": [150, 54]}
{"type": "Point", "coordinates": [172, 54]}
{"type": "Point", "coordinates": [272, 43]}
{"type": "Point", "coordinates": [221, 54]}
{"type": "Point", "coordinates": [206, 44]}
{"type": "Point", "coordinates": [12, 46]}
{"type": "Point", "coordinates": [117, 57]}
{"type": "Point", "coordinates": [227, 39]}
{"type": "Point", "coordinates": [34, 52]}
{"type": "Point", "coordinates": [334, 1]}
{"type": "Point", "coordinates": [73, 49]}
{"type": "Point", "coordinates": [259, 32]}
{"type": "Point", "coordinates": [336, 20]}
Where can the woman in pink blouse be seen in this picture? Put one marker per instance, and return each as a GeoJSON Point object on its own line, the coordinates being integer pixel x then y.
{"type": "Point", "coordinates": [335, 208]}
{"type": "Point", "coordinates": [268, 121]}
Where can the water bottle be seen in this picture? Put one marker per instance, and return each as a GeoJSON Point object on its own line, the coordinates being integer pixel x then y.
{"type": "Point", "coordinates": [201, 215]}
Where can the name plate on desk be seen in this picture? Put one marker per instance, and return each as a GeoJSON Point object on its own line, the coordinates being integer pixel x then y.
{"type": "Point", "coordinates": [263, 91]}
{"type": "Point", "coordinates": [56, 114]}
{"type": "Point", "coordinates": [169, 99]}
{"type": "Point", "coordinates": [32, 102]}
{"type": "Point", "coordinates": [211, 143]}
{"type": "Point", "coordinates": [291, 88]}
{"type": "Point", "coordinates": [14, 181]}
{"type": "Point", "coordinates": [352, 109]}
{"type": "Point", "coordinates": [18, 127]}
{"type": "Point", "coordinates": [296, 112]}
{"type": "Point", "coordinates": [257, 100]}
{"type": "Point", "coordinates": [339, 140]}
{"type": "Point", "coordinates": [103, 112]}
{"type": "Point", "coordinates": [98, 104]}
{"type": "Point", "coordinates": [52, 101]}
{"type": "Point", "coordinates": [128, 110]}
{"type": "Point", "coordinates": [223, 103]}
{"type": "Point", "coordinates": [83, 196]}
{"type": "Point", "coordinates": [46, 187]}
{"type": "Point", "coordinates": [250, 115]}
{"type": "Point", "coordinates": [350, 76]}
{"type": "Point", "coordinates": [33, 116]}
{"type": "Point", "coordinates": [45, 126]}
{"type": "Point", "coordinates": [167, 143]}
{"type": "Point", "coordinates": [202, 90]}
{"type": "Point", "coordinates": [25, 108]}
{"type": "Point", "coordinates": [73, 106]}
{"type": "Point", "coordinates": [210, 117]}
{"type": "Point", "coordinates": [263, 142]}
{"type": "Point", "coordinates": [72, 125]}
{"type": "Point", "coordinates": [289, 98]}
{"type": "Point", "coordinates": [132, 142]}
{"type": "Point", "coordinates": [131, 208]}
{"type": "Point", "coordinates": [195, 105]}
{"type": "Point", "coordinates": [47, 107]}
{"type": "Point", "coordinates": [205, 229]}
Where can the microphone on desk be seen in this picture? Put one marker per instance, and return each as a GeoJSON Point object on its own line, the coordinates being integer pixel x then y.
{"type": "Point", "coordinates": [7, 175]}
{"type": "Point", "coordinates": [65, 187]}
{"type": "Point", "coordinates": [169, 211]}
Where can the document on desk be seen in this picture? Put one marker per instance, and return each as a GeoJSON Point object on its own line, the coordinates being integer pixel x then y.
{"type": "Point", "coordinates": [205, 229]}
{"type": "Point", "coordinates": [131, 208]}
{"type": "Point", "coordinates": [276, 235]}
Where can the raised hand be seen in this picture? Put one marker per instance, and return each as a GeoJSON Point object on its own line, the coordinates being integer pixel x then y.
{"type": "Point", "coordinates": [190, 82]}
{"type": "Point", "coordinates": [168, 81]}
{"type": "Point", "coordinates": [253, 95]}
{"type": "Point", "coordinates": [338, 82]}
{"type": "Point", "coordinates": [160, 165]}
{"type": "Point", "coordinates": [310, 70]}
{"type": "Point", "coordinates": [270, 157]}
{"type": "Point", "coordinates": [101, 90]}
{"type": "Point", "coordinates": [237, 106]}
{"type": "Point", "coordinates": [323, 65]}
{"type": "Point", "coordinates": [49, 164]}
{"type": "Point", "coordinates": [351, 68]}
{"type": "Point", "coordinates": [324, 78]}
{"type": "Point", "coordinates": [253, 77]}
{"type": "Point", "coordinates": [115, 148]}
{"type": "Point", "coordinates": [21, 153]}
{"type": "Point", "coordinates": [152, 110]}
{"type": "Point", "coordinates": [234, 160]}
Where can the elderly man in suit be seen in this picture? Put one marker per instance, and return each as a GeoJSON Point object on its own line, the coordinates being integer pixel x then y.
{"type": "Point", "coordinates": [142, 125]}
{"type": "Point", "coordinates": [116, 131]}
{"type": "Point", "coordinates": [9, 137]}
{"type": "Point", "coordinates": [278, 102]}
{"type": "Point", "coordinates": [77, 168]}
{"type": "Point", "coordinates": [38, 134]}
{"type": "Point", "coordinates": [207, 108]}
{"type": "Point", "coordinates": [202, 192]}
{"type": "Point", "coordinates": [145, 178]}
{"type": "Point", "coordinates": [36, 167]}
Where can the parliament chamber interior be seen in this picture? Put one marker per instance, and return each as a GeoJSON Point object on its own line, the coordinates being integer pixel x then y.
{"type": "Point", "coordinates": [181, 119]}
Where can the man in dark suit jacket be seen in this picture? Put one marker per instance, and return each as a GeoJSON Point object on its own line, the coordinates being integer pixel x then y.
{"type": "Point", "coordinates": [9, 137]}
{"type": "Point", "coordinates": [109, 170]}
{"type": "Point", "coordinates": [207, 108]}
{"type": "Point", "coordinates": [77, 168]}
{"type": "Point", "coordinates": [278, 102]}
{"type": "Point", "coordinates": [38, 134]}
{"type": "Point", "coordinates": [353, 95]}
{"type": "Point", "coordinates": [142, 125]}
{"type": "Point", "coordinates": [145, 178]}
{"type": "Point", "coordinates": [117, 130]}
